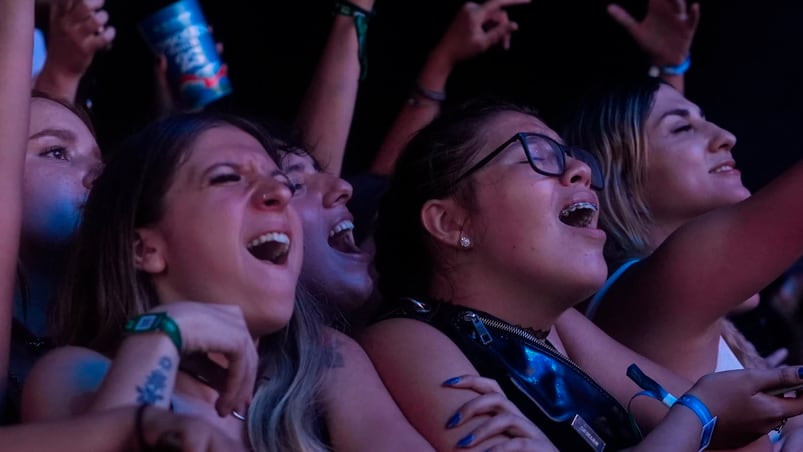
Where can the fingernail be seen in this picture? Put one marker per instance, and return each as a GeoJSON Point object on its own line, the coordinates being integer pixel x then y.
{"type": "Point", "coordinates": [453, 420]}
{"type": "Point", "coordinates": [452, 381]}
{"type": "Point", "coordinates": [800, 372]}
{"type": "Point", "coordinates": [466, 441]}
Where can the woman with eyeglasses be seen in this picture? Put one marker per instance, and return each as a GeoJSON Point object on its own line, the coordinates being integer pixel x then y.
{"type": "Point", "coordinates": [489, 233]}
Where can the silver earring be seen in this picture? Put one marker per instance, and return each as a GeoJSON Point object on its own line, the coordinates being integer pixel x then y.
{"type": "Point", "coordinates": [465, 242]}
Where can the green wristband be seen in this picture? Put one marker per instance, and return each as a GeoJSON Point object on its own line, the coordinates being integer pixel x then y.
{"type": "Point", "coordinates": [157, 321]}
{"type": "Point", "coordinates": [361, 17]}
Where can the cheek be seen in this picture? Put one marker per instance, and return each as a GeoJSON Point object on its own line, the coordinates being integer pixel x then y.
{"type": "Point", "coordinates": [52, 212]}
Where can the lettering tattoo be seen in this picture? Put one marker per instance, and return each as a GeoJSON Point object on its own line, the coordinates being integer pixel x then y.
{"type": "Point", "coordinates": [152, 391]}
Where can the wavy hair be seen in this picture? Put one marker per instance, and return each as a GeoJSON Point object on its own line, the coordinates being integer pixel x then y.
{"type": "Point", "coordinates": [612, 128]}
{"type": "Point", "coordinates": [103, 289]}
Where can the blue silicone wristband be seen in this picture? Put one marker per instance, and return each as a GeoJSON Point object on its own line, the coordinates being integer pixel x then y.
{"type": "Point", "coordinates": [698, 407]}
{"type": "Point", "coordinates": [679, 69]}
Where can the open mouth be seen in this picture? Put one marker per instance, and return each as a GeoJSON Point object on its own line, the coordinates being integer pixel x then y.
{"type": "Point", "coordinates": [724, 168]}
{"type": "Point", "coordinates": [273, 247]}
{"type": "Point", "coordinates": [341, 238]}
{"type": "Point", "coordinates": [579, 214]}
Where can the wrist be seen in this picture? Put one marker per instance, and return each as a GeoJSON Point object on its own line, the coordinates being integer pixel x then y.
{"type": "Point", "coordinates": [657, 70]}
{"type": "Point", "coordinates": [156, 322]}
{"type": "Point", "coordinates": [707, 420]}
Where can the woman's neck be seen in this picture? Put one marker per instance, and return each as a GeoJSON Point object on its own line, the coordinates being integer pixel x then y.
{"type": "Point", "coordinates": [514, 303]}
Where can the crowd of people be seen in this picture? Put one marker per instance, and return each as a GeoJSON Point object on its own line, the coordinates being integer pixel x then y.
{"type": "Point", "coordinates": [490, 282]}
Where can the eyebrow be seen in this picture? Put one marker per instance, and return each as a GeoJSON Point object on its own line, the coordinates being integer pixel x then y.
{"type": "Point", "coordinates": [683, 112]}
{"type": "Point", "coordinates": [64, 134]}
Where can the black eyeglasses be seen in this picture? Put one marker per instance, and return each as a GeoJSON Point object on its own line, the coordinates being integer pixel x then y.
{"type": "Point", "coordinates": [546, 156]}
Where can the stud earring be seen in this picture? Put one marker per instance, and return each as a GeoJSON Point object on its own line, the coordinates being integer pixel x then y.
{"type": "Point", "coordinates": [465, 242]}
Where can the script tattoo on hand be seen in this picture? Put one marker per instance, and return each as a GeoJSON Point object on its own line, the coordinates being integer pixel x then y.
{"type": "Point", "coordinates": [152, 391]}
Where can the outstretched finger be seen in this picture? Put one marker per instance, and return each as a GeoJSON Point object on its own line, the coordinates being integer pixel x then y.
{"type": "Point", "coordinates": [694, 15]}
{"type": "Point", "coordinates": [622, 17]}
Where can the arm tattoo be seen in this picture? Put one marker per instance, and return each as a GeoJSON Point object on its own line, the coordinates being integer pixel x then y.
{"type": "Point", "coordinates": [153, 390]}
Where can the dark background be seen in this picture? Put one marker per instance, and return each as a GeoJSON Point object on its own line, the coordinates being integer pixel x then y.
{"type": "Point", "coordinates": [745, 72]}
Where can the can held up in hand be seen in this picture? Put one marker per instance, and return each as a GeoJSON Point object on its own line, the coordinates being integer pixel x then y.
{"type": "Point", "coordinates": [179, 32]}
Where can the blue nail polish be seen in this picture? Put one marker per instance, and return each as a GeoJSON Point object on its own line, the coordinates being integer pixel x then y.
{"type": "Point", "coordinates": [465, 442]}
{"type": "Point", "coordinates": [453, 420]}
{"type": "Point", "coordinates": [800, 372]}
{"type": "Point", "coordinates": [452, 381]}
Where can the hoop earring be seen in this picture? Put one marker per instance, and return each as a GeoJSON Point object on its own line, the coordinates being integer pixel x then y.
{"type": "Point", "coordinates": [465, 242]}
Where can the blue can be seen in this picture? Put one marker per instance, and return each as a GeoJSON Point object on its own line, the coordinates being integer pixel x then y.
{"type": "Point", "coordinates": [179, 32]}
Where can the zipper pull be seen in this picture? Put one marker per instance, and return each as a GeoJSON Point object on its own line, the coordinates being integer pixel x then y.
{"type": "Point", "coordinates": [479, 327]}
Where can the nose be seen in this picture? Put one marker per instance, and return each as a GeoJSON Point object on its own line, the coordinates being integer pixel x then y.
{"type": "Point", "coordinates": [577, 172]}
{"type": "Point", "coordinates": [272, 194]}
{"type": "Point", "coordinates": [722, 139]}
{"type": "Point", "coordinates": [338, 191]}
{"type": "Point", "coordinates": [91, 174]}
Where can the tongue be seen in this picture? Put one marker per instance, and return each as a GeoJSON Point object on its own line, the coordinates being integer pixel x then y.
{"type": "Point", "coordinates": [344, 242]}
{"type": "Point", "coordinates": [268, 251]}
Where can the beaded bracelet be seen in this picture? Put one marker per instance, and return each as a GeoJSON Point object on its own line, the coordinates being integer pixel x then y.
{"type": "Point", "coordinates": [361, 17]}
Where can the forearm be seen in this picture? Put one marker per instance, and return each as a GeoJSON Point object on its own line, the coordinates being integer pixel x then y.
{"type": "Point", "coordinates": [57, 83]}
{"type": "Point", "coordinates": [111, 430]}
{"type": "Point", "coordinates": [143, 371]}
{"type": "Point", "coordinates": [327, 109]}
{"type": "Point", "coordinates": [16, 50]}
{"type": "Point", "coordinates": [677, 81]}
{"type": "Point", "coordinates": [415, 114]}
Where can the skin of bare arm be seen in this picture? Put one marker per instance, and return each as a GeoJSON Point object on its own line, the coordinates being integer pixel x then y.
{"type": "Point", "coordinates": [327, 109]}
{"type": "Point", "coordinates": [16, 51]}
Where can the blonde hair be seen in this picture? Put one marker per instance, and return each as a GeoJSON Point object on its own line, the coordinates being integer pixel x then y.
{"type": "Point", "coordinates": [613, 130]}
{"type": "Point", "coordinates": [286, 413]}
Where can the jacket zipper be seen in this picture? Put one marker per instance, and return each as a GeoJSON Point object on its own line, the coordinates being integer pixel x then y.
{"type": "Point", "coordinates": [481, 322]}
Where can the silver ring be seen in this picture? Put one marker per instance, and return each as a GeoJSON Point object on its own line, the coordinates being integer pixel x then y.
{"type": "Point", "coordinates": [781, 425]}
{"type": "Point", "coordinates": [238, 415]}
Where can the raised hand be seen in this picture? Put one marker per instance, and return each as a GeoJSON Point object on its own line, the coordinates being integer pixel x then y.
{"type": "Point", "coordinates": [505, 418]}
{"type": "Point", "coordinates": [476, 28]}
{"type": "Point", "coordinates": [667, 31]}
{"type": "Point", "coordinates": [78, 30]}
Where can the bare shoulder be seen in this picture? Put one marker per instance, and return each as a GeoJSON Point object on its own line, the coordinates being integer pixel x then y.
{"type": "Point", "coordinates": [61, 383]}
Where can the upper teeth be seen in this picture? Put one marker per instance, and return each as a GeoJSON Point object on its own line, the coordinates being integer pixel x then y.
{"type": "Point", "coordinates": [279, 237]}
{"type": "Point", "coordinates": [578, 205]}
{"type": "Point", "coordinates": [723, 168]}
{"type": "Point", "coordinates": [340, 227]}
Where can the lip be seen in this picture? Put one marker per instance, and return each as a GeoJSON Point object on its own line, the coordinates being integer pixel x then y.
{"type": "Point", "coordinates": [360, 256]}
{"type": "Point", "coordinates": [586, 197]}
{"type": "Point", "coordinates": [726, 167]}
{"type": "Point", "coordinates": [279, 229]}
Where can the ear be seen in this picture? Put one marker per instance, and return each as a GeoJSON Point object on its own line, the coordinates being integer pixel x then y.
{"type": "Point", "coordinates": [149, 251]}
{"type": "Point", "coordinates": [445, 220]}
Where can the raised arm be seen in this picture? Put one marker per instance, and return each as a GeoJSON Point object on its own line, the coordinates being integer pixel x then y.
{"type": "Point", "coordinates": [711, 264]}
{"type": "Point", "coordinates": [326, 111]}
{"type": "Point", "coordinates": [16, 54]}
{"type": "Point", "coordinates": [78, 30]}
{"type": "Point", "coordinates": [475, 29]}
{"type": "Point", "coordinates": [665, 35]}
